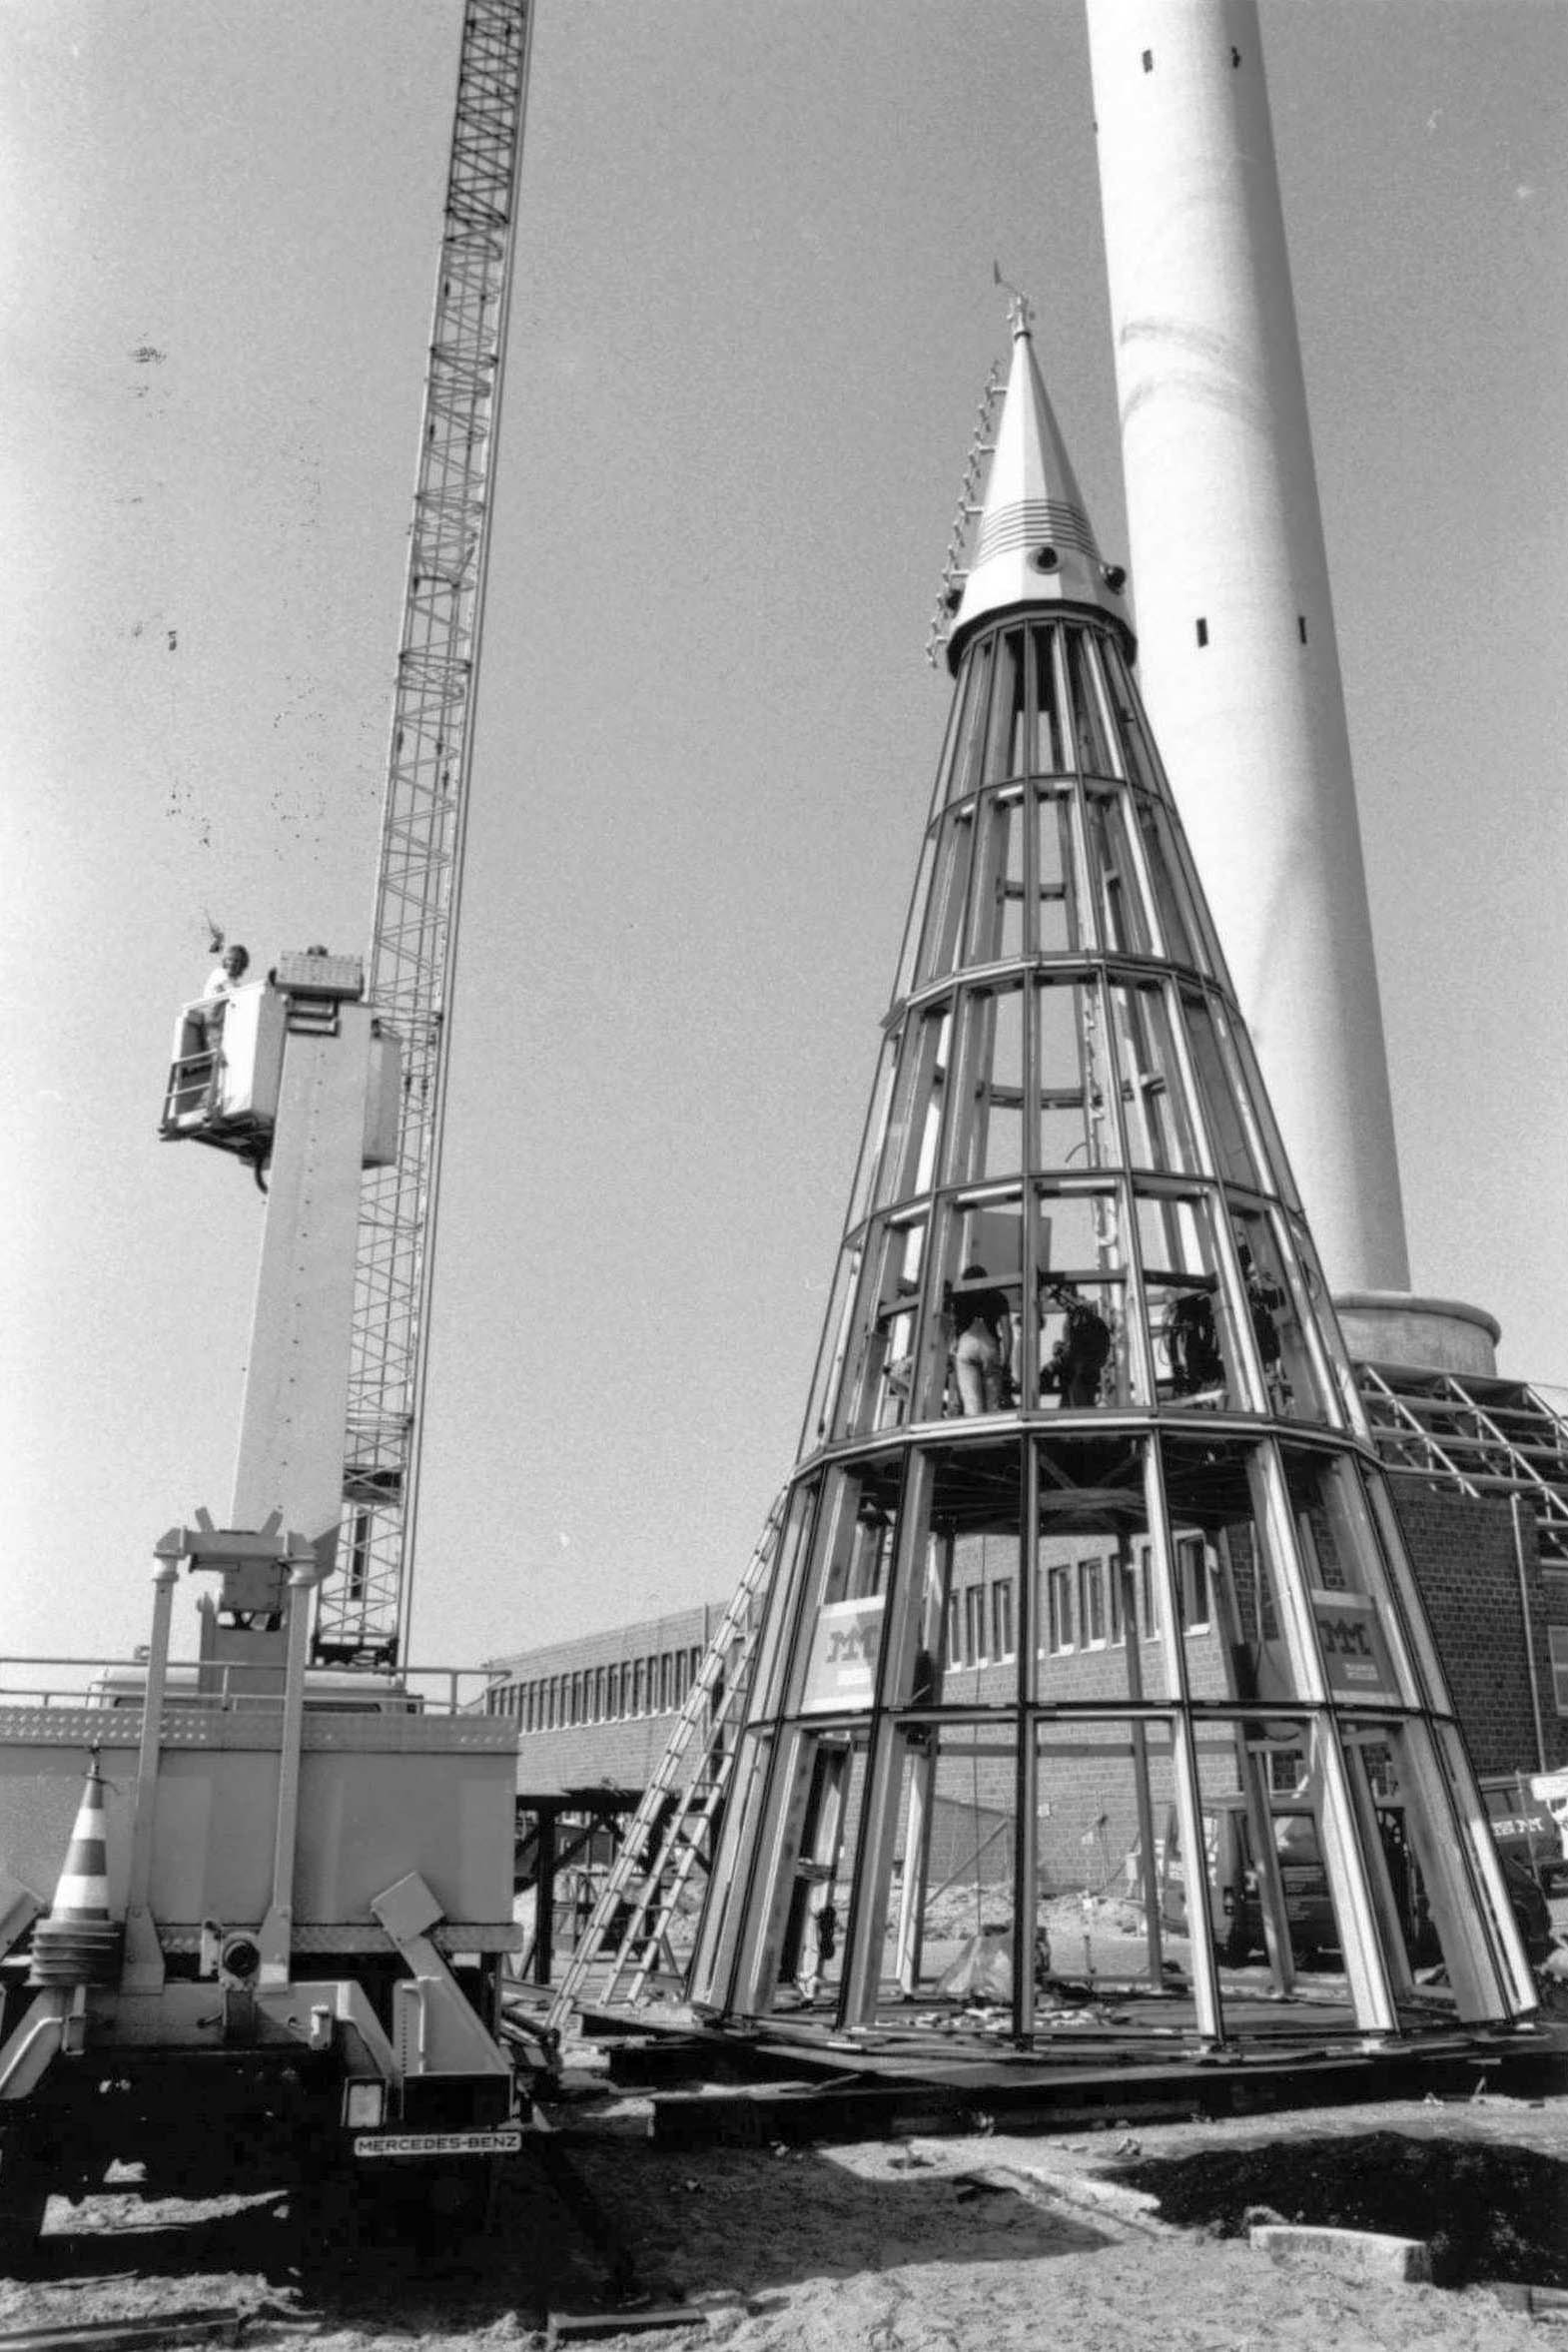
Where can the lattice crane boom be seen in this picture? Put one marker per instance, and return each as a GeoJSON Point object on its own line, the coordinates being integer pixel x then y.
{"type": "Point", "coordinates": [364, 1607]}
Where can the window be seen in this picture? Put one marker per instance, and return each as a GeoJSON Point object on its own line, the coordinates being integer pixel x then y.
{"type": "Point", "coordinates": [638, 1686]}
{"type": "Point", "coordinates": [1557, 1638]}
{"type": "Point", "coordinates": [955, 1632]}
{"type": "Point", "coordinates": [1114, 1591]}
{"type": "Point", "coordinates": [1059, 1608]}
{"type": "Point", "coordinates": [1091, 1604]}
{"type": "Point", "coordinates": [613, 1693]}
{"type": "Point", "coordinates": [1002, 1645]}
{"type": "Point", "coordinates": [975, 1624]}
{"type": "Point", "coordinates": [598, 1693]}
{"type": "Point", "coordinates": [1192, 1567]}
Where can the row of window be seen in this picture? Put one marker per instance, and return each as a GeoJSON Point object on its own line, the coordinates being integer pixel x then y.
{"type": "Point", "coordinates": [655, 1685]}
{"type": "Point", "coordinates": [1082, 1608]}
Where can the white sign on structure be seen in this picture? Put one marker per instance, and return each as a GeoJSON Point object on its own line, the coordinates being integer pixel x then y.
{"type": "Point", "coordinates": [841, 1671]}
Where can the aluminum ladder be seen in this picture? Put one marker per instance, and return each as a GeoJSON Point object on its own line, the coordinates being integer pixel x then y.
{"type": "Point", "coordinates": [672, 1829]}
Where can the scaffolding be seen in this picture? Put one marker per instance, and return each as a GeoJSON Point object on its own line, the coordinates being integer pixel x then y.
{"type": "Point", "coordinates": [1486, 1437]}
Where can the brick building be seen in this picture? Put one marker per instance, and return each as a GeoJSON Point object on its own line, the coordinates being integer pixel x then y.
{"type": "Point", "coordinates": [598, 1711]}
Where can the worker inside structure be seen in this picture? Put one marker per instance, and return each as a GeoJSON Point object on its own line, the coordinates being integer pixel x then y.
{"type": "Point", "coordinates": [1192, 1347]}
{"type": "Point", "coordinates": [982, 1345]}
{"type": "Point", "coordinates": [1079, 1357]}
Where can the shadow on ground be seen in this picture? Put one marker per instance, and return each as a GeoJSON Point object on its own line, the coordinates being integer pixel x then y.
{"type": "Point", "coordinates": [593, 2228]}
{"type": "Point", "coordinates": [1488, 2213]}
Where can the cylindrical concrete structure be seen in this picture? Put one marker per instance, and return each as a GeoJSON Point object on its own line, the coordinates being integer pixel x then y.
{"type": "Point", "coordinates": [1239, 666]}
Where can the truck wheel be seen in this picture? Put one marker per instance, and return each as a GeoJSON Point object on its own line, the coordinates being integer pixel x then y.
{"type": "Point", "coordinates": [332, 2218]}
{"type": "Point", "coordinates": [24, 2196]}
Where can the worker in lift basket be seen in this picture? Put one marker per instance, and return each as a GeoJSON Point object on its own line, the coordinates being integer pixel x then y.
{"type": "Point", "coordinates": [225, 977]}
{"type": "Point", "coordinates": [222, 980]}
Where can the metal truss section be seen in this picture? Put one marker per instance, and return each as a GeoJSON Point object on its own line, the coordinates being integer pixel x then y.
{"type": "Point", "coordinates": [364, 1609]}
{"type": "Point", "coordinates": [1485, 1436]}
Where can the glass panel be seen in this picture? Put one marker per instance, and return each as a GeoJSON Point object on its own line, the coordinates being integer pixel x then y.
{"type": "Point", "coordinates": [1007, 747]}
{"type": "Point", "coordinates": [986, 1132]}
{"type": "Point", "coordinates": [1076, 1127]}
{"type": "Point", "coordinates": [944, 914]}
{"type": "Point", "coordinates": [1260, 1114]}
{"type": "Point", "coordinates": [834, 1350]}
{"type": "Point", "coordinates": [910, 1152]}
{"type": "Point", "coordinates": [1275, 1317]}
{"type": "Point", "coordinates": [951, 766]}
{"type": "Point", "coordinates": [996, 910]}
{"type": "Point", "coordinates": [1159, 1127]}
{"type": "Point", "coordinates": [1118, 889]}
{"type": "Point", "coordinates": [969, 761]}
{"type": "Point", "coordinates": [1092, 1622]}
{"type": "Point", "coordinates": [1227, 1135]}
{"type": "Point", "coordinates": [977, 1649]}
{"type": "Point", "coordinates": [1363, 1654]}
{"type": "Point", "coordinates": [1050, 756]}
{"type": "Point", "coordinates": [784, 1602]}
{"type": "Point", "coordinates": [1142, 763]}
{"type": "Point", "coordinates": [874, 1140]}
{"type": "Point", "coordinates": [823, 1873]}
{"type": "Point", "coordinates": [1244, 1650]}
{"type": "Point", "coordinates": [857, 1532]}
{"type": "Point", "coordinates": [1104, 708]}
{"type": "Point", "coordinates": [1091, 737]}
{"type": "Point", "coordinates": [1195, 1358]}
{"type": "Point", "coordinates": [880, 1358]}
{"type": "Point", "coordinates": [1082, 1334]}
{"type": "Point", "coordinates": [1058, 923]}
{"type": "Point", "coordinates": [1161, 864]}
{"type": "Point", "coordinates": [982, 1309]}
{"type": "Point", "coordinates": [953, 1933]}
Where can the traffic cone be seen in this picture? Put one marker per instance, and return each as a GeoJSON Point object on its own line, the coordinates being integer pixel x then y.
{"type": "Point", "coordinates": [76, 1942]}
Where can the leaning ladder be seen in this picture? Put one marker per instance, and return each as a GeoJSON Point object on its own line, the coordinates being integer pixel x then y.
{"type": "Point", "coordinates": [671, 1829]}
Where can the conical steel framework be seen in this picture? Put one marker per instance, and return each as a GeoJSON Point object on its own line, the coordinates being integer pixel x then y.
{"type": "Point", "coordinates": [1088, 1564]}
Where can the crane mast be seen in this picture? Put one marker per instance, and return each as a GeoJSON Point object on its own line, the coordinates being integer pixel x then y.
{"type": "Point", "coordinates": [364, 1610]}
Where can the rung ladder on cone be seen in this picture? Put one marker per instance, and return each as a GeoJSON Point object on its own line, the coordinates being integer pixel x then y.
{"type": "Point", "coordinates": [672, 1828]}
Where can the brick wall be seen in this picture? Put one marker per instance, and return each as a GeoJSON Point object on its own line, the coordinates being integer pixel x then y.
{"type": "Point", "coordinates": [623, 1750]}
{"type": "Point", "coordinates": [1462, 1551]}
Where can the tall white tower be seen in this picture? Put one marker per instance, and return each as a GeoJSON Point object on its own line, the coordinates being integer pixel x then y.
{"type": "Point", "coordinates": [1239, 666]}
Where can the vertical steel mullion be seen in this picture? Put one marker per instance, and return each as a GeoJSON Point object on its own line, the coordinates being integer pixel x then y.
{"type": "Point", "coordinates": [1188, 1779]}
{"type": "Point", "coordinates": [1136, 1299]}
{"type": "Point", "coordinates": [1025, 1840]}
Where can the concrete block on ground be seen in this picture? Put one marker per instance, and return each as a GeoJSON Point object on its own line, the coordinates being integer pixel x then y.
{"type": "Point", "coordinates": [1369, 2251]}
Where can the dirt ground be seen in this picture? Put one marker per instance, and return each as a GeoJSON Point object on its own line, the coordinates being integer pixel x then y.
{"type": "Point", "coordinates": [1113, 2240]}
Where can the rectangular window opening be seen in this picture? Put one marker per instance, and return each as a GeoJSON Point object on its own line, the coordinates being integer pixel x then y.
{"type": "Point", "coordinates": [1203, 632]}
{"type": "Point", "coordinates": [1557, 1639]}
{"type": "Point", "coordinates": [1002, 1645]}
{"type": "Point", "coordinates": [1059, 1609]}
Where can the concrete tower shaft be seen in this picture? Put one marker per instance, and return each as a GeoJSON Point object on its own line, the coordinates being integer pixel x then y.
{"type": "Point", "coordinates": [1240, 665]}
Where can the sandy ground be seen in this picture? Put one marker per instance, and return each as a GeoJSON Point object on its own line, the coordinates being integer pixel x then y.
{"type": "Point", "coordinates": [981, 2243]}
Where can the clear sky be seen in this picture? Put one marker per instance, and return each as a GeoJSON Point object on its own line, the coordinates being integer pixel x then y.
{"type": "Point", "coordinates": [752, 319]}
